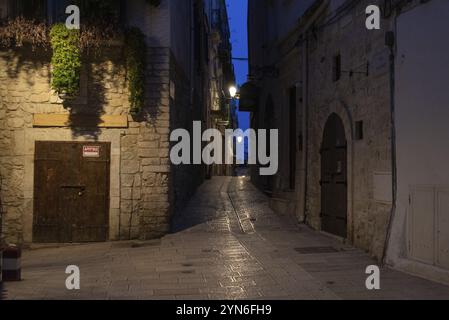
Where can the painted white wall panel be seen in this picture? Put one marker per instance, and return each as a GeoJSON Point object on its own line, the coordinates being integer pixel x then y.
{"type": "Point", "coordinates": [443, 228]}
{"type": "Point", "coordinates": [422, 228]}
{"type": "Point", "coordinates": [3, 9]}
{"type": "Point", "coordinates": [422, 130]}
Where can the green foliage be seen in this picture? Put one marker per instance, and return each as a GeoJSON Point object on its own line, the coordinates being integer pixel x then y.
{"type": "Point", "coordinates": [136, 65]}
{"type": "Point", "coordinates": [66, 59]}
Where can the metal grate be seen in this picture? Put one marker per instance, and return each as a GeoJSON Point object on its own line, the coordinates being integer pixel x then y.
{"type": "Point", "coordinates": [316, 250]}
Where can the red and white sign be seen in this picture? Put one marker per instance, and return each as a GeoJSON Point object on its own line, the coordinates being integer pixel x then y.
{"type": "Point", "coordinates": [91, 151]}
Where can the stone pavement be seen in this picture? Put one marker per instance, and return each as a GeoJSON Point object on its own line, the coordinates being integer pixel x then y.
{"type": "Point", "coordinates": [226, 244]}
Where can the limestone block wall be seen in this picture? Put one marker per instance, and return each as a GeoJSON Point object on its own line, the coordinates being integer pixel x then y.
{"type": "Point", "coordinates": [354, 98]}
{"type": "Point", "coordinates": [140, 170]}
{"type": "Point", "coordinates": [185, 109]}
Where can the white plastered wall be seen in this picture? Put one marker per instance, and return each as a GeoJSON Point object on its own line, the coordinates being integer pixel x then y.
{"type": "Point", "coordinates": [422, 130]}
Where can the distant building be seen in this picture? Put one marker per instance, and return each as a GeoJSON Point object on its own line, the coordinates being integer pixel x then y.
{"type": "Point", "coordinates": [223, 111]}
{"type": "Point", "coordinates": [362, 116]}
{"type": "Point", "coordinates": [87, 168]}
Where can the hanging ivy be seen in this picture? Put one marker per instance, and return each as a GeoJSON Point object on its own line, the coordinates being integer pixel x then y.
{"type": "Point", "coordinates": [15, 32]}
{"type": "Point", "coordinates": [135, 50]}
{"type": "Point", "coordinates": [68, 47]}
{"type": "Point", "coordinates": [154, 3]}
{"type": "Point", "coordinates": [66, 60]}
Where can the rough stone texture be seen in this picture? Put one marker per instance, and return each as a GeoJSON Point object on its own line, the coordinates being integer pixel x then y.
{"type": "Point", "coordinates": [140, 170]}
{"type": "Point", "coordinates": [353, 98]}
{"type": "Point", "coordinates": [184, 112]}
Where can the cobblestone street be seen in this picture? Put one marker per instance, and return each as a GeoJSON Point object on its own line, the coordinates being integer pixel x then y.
{"type": "Point", "coordinates": [227, 244]}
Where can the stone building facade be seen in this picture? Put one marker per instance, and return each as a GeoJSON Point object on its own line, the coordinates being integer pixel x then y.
{"type": "Point", "coordinates": [223, 108]}
{"type": "Point", "coordinates": [327, 83]}
{"type": "Point", "coordinates": [142, 189]}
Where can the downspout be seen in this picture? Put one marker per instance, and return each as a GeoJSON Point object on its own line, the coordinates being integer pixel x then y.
{"type": "Point", "coordinates": [390, 42]}
{"type": "Point", "coordinates": [305, 105]}
{"type": "Point", "coordinates": [305, 125]}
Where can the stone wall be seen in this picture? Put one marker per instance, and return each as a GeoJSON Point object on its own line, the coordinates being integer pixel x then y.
{"type": "Point", "coordinates": [353, 98]}
{"type": "Point", "coordinates": [186, 108]}
{"type": "Point", "coordinates": [140, 170]}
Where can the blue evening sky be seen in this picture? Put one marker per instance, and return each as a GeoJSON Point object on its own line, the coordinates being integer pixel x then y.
{"type": "Point", "coordinates": [237, 12]}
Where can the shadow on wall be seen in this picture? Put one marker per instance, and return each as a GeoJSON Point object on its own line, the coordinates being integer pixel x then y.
{"type": "Point", "coordinates": [28, 60]}
{"type": "Point", "coordinates": [102, 85]}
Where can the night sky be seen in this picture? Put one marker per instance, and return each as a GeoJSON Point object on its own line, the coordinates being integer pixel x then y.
{"type": "Point", "coordinates": [237, 11]}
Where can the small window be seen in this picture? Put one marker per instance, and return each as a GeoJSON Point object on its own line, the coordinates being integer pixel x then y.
{"type": "Point", "coordinates": [110, 11]}
{"type": "Point", "coordinates": [359, 134]}
{"type": "Point", "coordinates": [336, 74]}
{"type": "Point", "coordinates": [29, 9]}
{"type": "Point", "coordinates": [3, 9]}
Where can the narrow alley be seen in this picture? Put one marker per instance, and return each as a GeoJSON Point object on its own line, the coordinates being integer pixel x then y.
{"type": "Point", "coordinates": [226, 244]}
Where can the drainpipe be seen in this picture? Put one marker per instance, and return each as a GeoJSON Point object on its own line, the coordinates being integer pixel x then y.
{"type": "Point", "coordinates": [305, 126]}
{"type": "Point", "coordinates": [390, 42]}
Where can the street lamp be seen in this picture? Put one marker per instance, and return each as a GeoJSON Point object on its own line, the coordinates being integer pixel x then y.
{"type": "Point", "coordinates": [233, 91]}
{"type": "Point", "coordinates": [239, 139]}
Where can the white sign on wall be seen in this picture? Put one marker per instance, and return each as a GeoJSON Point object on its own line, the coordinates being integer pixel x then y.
{"type": "Point", "coordinates": [91, 151]}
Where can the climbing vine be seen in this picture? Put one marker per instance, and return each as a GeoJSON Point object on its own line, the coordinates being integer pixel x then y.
{"type": "Point", "coordinates": [70, 45]}
{"type": "Point", "coordinates": [135, 49]}
{"type": "Point", "coordinates": [66, 60]}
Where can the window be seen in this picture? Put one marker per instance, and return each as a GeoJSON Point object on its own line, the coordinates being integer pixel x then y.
{"type": "Point", "coordinates": [29, 9]}
{"type": "Point", "coordinates": [359, 134]}
{"type": "Point", "coordinates": [336, 74]}
{"type": "Point", "coordinates": [293, 139]}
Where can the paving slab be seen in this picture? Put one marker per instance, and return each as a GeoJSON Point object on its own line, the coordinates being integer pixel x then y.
{"type": "Point", "coordinates": [227, 244]}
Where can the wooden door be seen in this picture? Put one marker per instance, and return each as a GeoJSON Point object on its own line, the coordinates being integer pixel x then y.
{"type": "Point", "coordinates": [334, 197]}
{"type": "Point", "coordinates": [71, 192]}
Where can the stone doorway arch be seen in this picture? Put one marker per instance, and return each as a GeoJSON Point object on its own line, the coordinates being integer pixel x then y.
{"type": "Point", "coordinates": [334, 178]}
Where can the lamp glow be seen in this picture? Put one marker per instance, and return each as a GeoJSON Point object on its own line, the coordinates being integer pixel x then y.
{"type": "Point", "coordinates": [233, 91]}
{"type": "Point", "coordinates": [240, 139]}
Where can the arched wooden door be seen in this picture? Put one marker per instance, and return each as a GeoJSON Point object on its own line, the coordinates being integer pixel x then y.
{"type": "Point", "coordinates": [334, 186]}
